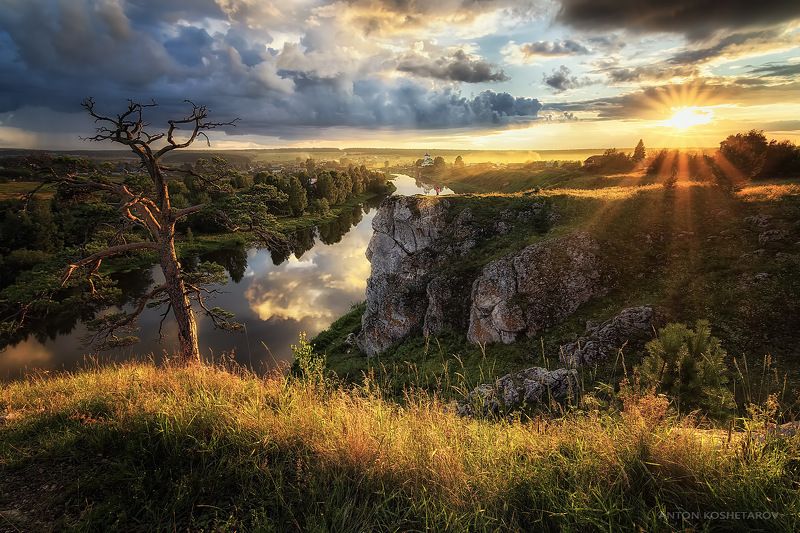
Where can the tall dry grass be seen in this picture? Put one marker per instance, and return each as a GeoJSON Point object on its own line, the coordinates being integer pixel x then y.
{"type": "Point", "coordinates": [214, 448]}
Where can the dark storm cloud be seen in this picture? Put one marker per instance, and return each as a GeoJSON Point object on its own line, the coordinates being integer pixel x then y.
{"type": "Point", "coordinates": [553, 48]}
{"type": "Point", "coordinates": [696, 19]}
{"type": "Point", "coordinates": [561, 79]}
{"type": "Point", "coordinates": [457, 67]}
{"type": "Point", "coordinates": [189, 46]}
{"type": "Point", "coordinates": [373, 103]}
{"type": "Point", "coordinates": [54, 53]}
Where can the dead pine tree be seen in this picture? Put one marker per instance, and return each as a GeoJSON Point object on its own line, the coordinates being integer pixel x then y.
{"type": "Point", "coordinates": [149, 211]}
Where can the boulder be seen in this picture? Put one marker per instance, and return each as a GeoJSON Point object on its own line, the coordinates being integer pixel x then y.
{"type": "Point", "coordinates": [536, 288]}
{"type": "Point", "coordinates": [631, 327]}
{"type": "Point", "coordinates": [759, 221]}
{"type": "Point", "coordinates": [526, 388]}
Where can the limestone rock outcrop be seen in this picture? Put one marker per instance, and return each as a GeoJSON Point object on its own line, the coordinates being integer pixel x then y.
{"type": "Point", "coordinates": [536, 288]}
{"type": "Point", "coordinates": [404, 228]}
{"type": "Point", "coordinates": [632, 327]}
{"type": "Point", "coordinates": [526, 388]}
{"type": "Point", "coordinates": [426, 275]}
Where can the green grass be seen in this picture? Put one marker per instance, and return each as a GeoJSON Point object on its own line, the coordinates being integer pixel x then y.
{"type": "Point", "coordinates": [137, 447]}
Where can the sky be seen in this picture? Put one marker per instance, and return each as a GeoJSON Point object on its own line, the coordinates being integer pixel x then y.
{"type": "Point", "coordinates": [472, 74]}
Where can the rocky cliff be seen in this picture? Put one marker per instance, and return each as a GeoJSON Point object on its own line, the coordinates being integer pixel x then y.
{"type": "Point", "coordinates": [418, 283]}
{"type": "Point", "coordinates": [404, 229]}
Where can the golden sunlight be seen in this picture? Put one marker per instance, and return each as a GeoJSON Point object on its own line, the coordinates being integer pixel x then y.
{"type": "Point", "coordinates": [685, 117]}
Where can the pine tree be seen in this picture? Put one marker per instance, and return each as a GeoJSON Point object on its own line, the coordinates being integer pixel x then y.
{"type": "Point", "coordinates": [688, 366]}
{"type": "Point", "coordinates": [639, 152]}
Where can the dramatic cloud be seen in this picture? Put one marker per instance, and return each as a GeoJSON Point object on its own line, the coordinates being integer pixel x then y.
{"type": "Point", "coordinates": [689, 62]}
{"type": "Point", "coordinates": [735, 45]}
{"type": "Point", "coordinates": [551, 49]}
{"type": "Point", "coordinates": [421, 17]}
{"type": "Point", "coordinates": [457, 67]}
{"type": "Point", "coordinates": [526, 53]}
{"type": "Point", "coordinates": [315, 69]}
{"type": "Point", "coordinates": [279, 68]}
{"type": "Point", "coordinates": [697, 19]}
{"type": "Point", "coordinates": [561, 79]}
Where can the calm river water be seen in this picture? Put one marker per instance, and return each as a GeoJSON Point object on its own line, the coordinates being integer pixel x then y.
{"type": "Point", "coordinates": [274, 297]}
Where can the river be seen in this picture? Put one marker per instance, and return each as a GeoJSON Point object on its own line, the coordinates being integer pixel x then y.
{"type": "Point", "coordinates": [274, 297]}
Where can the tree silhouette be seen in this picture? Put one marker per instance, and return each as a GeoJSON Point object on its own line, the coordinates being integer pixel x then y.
{"type": "Point", "coordinates": [639, 152]}
{"type": "Point", "coordinates": [148, 219]}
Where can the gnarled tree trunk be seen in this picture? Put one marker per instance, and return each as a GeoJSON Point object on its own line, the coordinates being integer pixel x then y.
{"type": "Point", "coordinates": [154, 214]}
{"type": "Point", "coordinates": [189, 350]}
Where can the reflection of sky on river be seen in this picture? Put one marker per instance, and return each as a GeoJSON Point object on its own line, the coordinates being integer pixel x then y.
{"type": "Point", "coordinates": [274, 302]}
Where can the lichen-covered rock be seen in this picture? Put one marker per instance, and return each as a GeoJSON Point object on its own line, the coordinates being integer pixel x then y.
{"type": "Point", "coordinates": [404, 228]}
{"type": "Point", "coordinates": [526, 388]}
{"type": "Point", "coordinates": [759, 221]}
{"type": "Point", "coordinates": [631, 327]}
{"type": "Point", "coordinates": [536, 288]}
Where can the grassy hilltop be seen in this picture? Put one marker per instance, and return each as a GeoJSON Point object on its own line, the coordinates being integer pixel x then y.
{"type": "Point", "coordinates": [136, 447]}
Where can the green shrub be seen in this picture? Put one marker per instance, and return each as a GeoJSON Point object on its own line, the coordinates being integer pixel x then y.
{"type": "Point", "coordinates": [688, 366]}
{"type": "Point", "coordinates": [308, 364]}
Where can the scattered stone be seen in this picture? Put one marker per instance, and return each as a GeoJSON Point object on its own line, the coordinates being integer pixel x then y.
{"type": "Point", "coordinates": [526, 388]}
{"type": "Point", "coordinates": [761, 276]}
{"type": "Point", "coordinates": [772, 235]}
{"type": "Point", "coordinates": [789, 429]}
{"type": "Point", "coordinates": [501, 227]}
{"type": "Point", "coordinates": [632, 327]}
{"type": "Point", "coordinates": [759, 221]}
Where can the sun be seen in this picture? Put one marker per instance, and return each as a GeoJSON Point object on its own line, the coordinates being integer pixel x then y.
{"type": "Point", "coordinates": [684, 118]}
